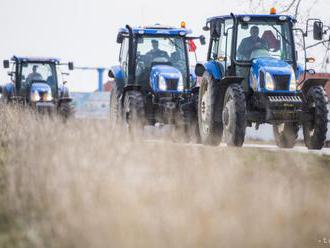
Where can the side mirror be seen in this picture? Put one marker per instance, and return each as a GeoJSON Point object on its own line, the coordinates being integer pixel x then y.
{"type": "Point", "coordinates": [120, 38]}
{"type": "Point", "coordinates": [318, 30]}
{"type": "Point", "coordinates": [6, 64]}
{"type": "Point", "coordinates": [199, 70]}
{"type": "Point", "coordinates": [71, 66]}
{"type": "Point", "coordinates": [10, 74]}
{"type": "Point", "coordinates": [110, 74]}
{"type": "Point", "coordinates": [202, 40]}
{"type": "Point", "coordinates": [65, 82]}
{"type": "Point", "coordinates": [206, 28]}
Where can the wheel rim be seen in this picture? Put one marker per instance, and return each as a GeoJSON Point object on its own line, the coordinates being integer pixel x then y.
{"type": "Point", "coordinates": [205, 111]}
{"type": "Point", "coordinates": [228, 115]}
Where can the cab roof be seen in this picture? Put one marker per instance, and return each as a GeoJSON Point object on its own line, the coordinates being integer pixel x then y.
{"type": "Point", "coordinates": [158, 30]}
{"type": "Point", "coordinates": [35, 59]}
{"type": "Point", "coordinates": [253, 16]}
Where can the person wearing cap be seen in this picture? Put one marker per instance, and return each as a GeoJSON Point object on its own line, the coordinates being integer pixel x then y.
{"type": "Point", "coordinates": [249, 44]}
{"type": "Point", "coordinates": [155, 52]}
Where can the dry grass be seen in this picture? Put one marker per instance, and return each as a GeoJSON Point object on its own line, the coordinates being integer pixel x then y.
{"type": "Point", "coordinates": [79, 185]}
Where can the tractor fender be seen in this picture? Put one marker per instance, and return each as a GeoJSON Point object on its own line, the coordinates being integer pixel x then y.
{"type": "Point", "coordinates": [117, 73]}
{"type": "Point", "coordinates": [214, 68]}
{"type": "Point", "coordinates": [313, 82]}
{"type": "Point", "coordinates": [64, 91]}
{"type": "Point", "coordinates": [8, 90]}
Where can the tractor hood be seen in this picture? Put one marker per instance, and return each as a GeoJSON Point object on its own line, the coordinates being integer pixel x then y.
{"type": "Point", "coordinates": [166, 78]}
{"type": "Point", "coordinates": [272, 65]}
{"type": "Point", "coordinates": [168, 72]}
{"type": "Point", "coordinates": [40, 88]}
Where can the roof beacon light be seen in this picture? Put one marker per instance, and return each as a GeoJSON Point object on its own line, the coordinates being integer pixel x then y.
{"type": "Point", "coordinates": [273, 11]}
{"type": "Point", "coordinates": [183, 24]}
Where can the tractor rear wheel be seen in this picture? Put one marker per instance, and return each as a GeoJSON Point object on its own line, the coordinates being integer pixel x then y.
{"type": "Point", "coordinates": [234, 115]}
{"type": "Point", "coordinates": [285, 134]}
{"type": "Point", "coordinates": [134, 112]}
{"type": "Point", "coordinates": [209, 111]}
{"type": "Point", "coordinates": [315, 130]}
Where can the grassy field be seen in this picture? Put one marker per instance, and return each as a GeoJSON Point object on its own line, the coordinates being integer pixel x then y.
{"type": "Point", "coordinates": [79, 185]}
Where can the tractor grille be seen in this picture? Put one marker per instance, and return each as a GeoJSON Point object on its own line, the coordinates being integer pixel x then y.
{"type": "Point", "coordinates": [282, 82]}
{"type": "Point", "coordinates": [172, 84]}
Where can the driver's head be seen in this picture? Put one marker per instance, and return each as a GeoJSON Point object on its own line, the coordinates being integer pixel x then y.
{"type": "Point", "coordinates": [155, 44]}
{"type": "Point", "coordinates": [254, 31]}
{"type": "Point", "coordinates": [34, 68]}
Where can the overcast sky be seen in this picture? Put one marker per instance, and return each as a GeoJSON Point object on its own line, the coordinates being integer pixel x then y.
{"type": "Point", "coordinates": [84, 31]}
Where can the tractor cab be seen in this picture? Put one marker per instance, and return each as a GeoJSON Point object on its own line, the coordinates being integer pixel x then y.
{"type": "Point", "coordinates": [35, 79]}
{"type": "Point", "coordinates": [156, 58]}
{"type": "Point", "coordinates": [37, 82]}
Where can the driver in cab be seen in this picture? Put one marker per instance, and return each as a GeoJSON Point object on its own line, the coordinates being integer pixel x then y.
{"type": "Point", "coordinates": [34, 76]}
{"type": "Point", "coordinates": [155, 52]}
{"type": "Point", "coordinates": [249, 44]}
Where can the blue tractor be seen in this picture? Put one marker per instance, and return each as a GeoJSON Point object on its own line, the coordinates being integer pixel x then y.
{"type": "Point", "coordinates": [153, 85]}
{"type": "Point", "coordinates": [252, 77]}
{"type": "Point", "coordinates": [38, 83]}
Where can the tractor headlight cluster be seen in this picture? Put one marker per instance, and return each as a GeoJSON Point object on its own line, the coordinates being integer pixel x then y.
{"type": "Point", "coordinates": [45, 97]}
{"type": "Point", "coordinates": [35, 97]}
{"type": "Point", "coordinates": [180, 84]}
{"type": "Point", "coordinates": [293, 81]}
{"type": "Point", "coordinates": [162, 83]}
{"type": "Point", "coordinates": [269, 82]}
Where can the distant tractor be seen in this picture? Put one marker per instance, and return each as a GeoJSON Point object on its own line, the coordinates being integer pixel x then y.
{"type": "Point", "coordinates": [153, 85]}
{"type": "Point", "coordinates": [252, 76]}
{"type": "Point", "coordinates": [38, 83]}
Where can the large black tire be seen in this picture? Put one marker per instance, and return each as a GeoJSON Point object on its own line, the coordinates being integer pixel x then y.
{"type": "Point", "coordinates": [114, 107]}
{"type": "Point", "coordinates": [234, 115]}
{"type": "Point", "coordinates": [134, 112]}
{"type": "Point", "coordinates": [66, 110]}
{"type": "Point", "coordinates": [209, 111]}
{"type": "Point", "coordinates": [315, 131]}
{"type": "Point", "coordinates": [286, 134]}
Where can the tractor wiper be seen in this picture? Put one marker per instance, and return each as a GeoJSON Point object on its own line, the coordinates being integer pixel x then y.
{"type": "Point", "coordinates": [284, 38]}
{"type": "Point", "coordinates": [278, 32]}
{"type": "Point", "coordinates": [176, 45]}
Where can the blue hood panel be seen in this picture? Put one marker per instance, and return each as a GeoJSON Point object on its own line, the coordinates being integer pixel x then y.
{"type": "Point", "coordinates": [272, 65]}
{"type": "Point", "coordinates": [40, 88]}
{"type": "Point", "coordinates": [168, 72]}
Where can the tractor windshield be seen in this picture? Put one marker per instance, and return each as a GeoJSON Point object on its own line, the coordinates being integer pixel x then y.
{"type": "Point", "coordinates": [257, 39]}
{"type": "Point", "coordinates": [160, 50]}
{"type": "Point", "coordinates": [38, 72]}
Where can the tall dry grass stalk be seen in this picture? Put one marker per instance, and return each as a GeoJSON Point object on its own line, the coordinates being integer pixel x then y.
{"type": "Point", "coordinates": [80, 185]}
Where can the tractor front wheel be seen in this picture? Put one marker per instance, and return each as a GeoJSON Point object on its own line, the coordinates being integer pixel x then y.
{"type": "Point", "coordinates": [134, 112]}
{"type": "Point", "coordinates": [66, 110]}
{"type": "Point", "coordinates": [315, 130]}
{"type": "Point", "coordinates": [209, 111]}
{"type": "Point", "coordinates": [114, 107]}
{"type": "Point", "coordinates": [285, 134]}
{"type": "Point", "coordinates": [234, 115]}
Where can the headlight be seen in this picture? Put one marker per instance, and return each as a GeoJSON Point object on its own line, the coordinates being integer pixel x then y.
{"type": "Point", "coordinates": [180, 84]}
{"type": "Point", "coordinates": [47, 97]}
{"type": "Point", "coordinates": [35, 97]}
{"type": "Point", "coordinates": [269, 82]}
{"type": "Point", "coordinates": [162, 83]}
{"type": "Point", "coordinates": [293, 82]}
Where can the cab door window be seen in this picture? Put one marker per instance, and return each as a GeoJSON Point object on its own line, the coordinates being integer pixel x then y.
{"type": "Point", "coordinates": [124, 58]}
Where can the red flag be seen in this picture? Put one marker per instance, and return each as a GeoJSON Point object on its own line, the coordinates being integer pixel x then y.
{"type": "Point", "coordinates": [192, 46]}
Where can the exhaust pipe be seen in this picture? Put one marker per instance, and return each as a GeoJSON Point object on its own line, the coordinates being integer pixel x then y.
{"type": "Point", "coordinates": [131, 57]}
